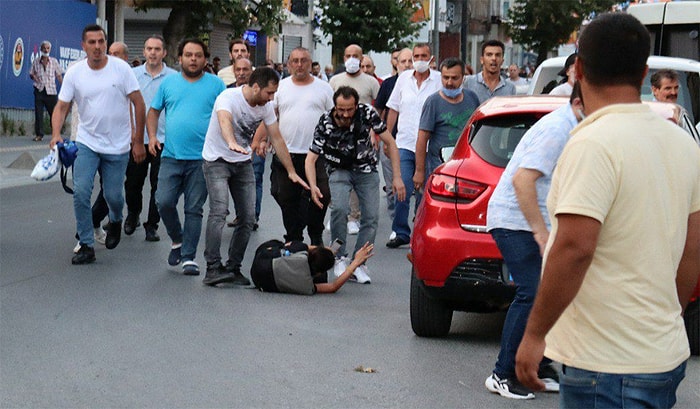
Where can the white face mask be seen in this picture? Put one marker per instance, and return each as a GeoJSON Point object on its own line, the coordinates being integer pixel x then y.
{"type": "Point", "coordinates": [352, 65]}
{"type": "Point", "coordinates": [43, 54]}
{"type": "Point", "coordinates": [421, 66]}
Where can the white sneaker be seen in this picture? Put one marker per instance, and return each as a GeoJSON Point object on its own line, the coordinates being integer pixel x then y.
{"type": "Point", "coordinates": [340, 265]}
{"type": "Point", "coordinates": [328, 225]}
{"type": "Point", "coordinates": [353, 227]}
{"type": "Point", "coordinates": [361, 275]}
{"type": "Point", "coordinates": [76, 248]}
{"type": "Point", "coordinates": [100, 235]}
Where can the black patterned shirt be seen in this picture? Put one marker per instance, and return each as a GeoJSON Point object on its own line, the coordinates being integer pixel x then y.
{"type": "Point", "coordinates": [327, 133]}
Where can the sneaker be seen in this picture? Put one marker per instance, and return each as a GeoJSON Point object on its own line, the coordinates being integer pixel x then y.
{"type": "Point", "coordinates": [131, 223]}
{"type": "Point", "coordinates": [238, 278]}
{"type": "Point", "coordinates": [361, 275]}
{"type": "Point", "coordinates": [174, 256]}
{"type": "Point", "coordinates": [508, 388]}
{"type": "Point", "coordinates": [114, 233]}
{"type": "Point", "coordinates": [550, 377]}
{"type": "Point", "coordinates": [233, 223]}
{"type": "Point", "coordinates": [392, 236]}
{"type": "Point", "coordinates": [190, 268]}
{"type": "Point", "coordinates": [76, 248]}
{"type": "Point", "coordinates": [216, 274]}
{"type": "Point", "coordinates": [152, 234]}
{"type": "Point", "coordinates": [100, 235]}
{"type": "Point", "coordinates": [85, 255]}
{"type": "Point", "coordinates": [353, 227]}
{"type": "Point", "coordinates": [340, 265]}
{"type": "Point", "coordinates": [397, 242]}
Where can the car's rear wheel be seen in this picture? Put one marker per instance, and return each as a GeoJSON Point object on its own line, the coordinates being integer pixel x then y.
{"type": "Point", "coordinates": [429, 317]}
{"type": "Point", "coordinates": [692, 326]}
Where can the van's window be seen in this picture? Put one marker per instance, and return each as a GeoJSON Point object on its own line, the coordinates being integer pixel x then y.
{"type": "Point", "coordinates": [495, 139]}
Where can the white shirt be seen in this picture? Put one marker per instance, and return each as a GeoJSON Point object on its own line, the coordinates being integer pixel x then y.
{"type": "Point", "coordinates": [564, 89]}
{"type": "Point", "coordinates": [300, 107]}
{"type": "Point", "coordinates": [246, 120]}
{"type": "Point", "coordinates": [103, 101]}
{"type": "Point", "coordinates": [407, 99]}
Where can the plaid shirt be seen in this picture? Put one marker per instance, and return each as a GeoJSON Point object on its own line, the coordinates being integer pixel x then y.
{"type": "Point", "coordinates": [45, 76]}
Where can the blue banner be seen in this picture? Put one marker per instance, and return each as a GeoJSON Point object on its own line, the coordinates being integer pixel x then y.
{"type": "Point", "coordinates": [23, 26]}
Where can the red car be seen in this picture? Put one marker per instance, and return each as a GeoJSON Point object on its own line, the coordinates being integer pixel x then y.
{"type": "Point", "coordinates": [456, 264]}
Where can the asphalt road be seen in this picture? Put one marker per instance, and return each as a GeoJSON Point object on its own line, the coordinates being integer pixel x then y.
{"type": "Point", "coordinates": [131, 331]}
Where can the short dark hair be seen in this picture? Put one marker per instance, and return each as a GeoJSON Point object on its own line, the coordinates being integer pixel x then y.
{"type": "Point", "coordinates": [321, 259]}
{"type": "Point", "coordinates": [661, 74]}
{"type": "Point", "coordinates": [93, 27]}
{"type": "Point", "coordinates": [423, 45]}
{"type": "Point", "coordinates": [315, 64]}
{"type": "Point", "coordinates": [183, 43]}
{"type": "Point", "coordinates": [346, 92]}
{"type": "Point", "coordinates": [452, 62]}
{"type": "Point", "coordinates": [237, 41]}
{"type": "Point", "coordinates": [263, 76]}
{"type": "Point", "coordinates": [493, 43]}
{"type": "Point", "coordinates": [623, 61]}
{"type": "Point", "coordinates": [156, 37]}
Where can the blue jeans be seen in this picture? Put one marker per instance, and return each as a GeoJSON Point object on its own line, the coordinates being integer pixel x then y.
{"type": "Point", "coordinates": [403, 208]}
{"type": "Point", "coordinates": [366, 185]}
{"type": "Point", "coordinates": [237, 179]}
{"type": "Point", "coordinates": [112, 168]}
{"type": "Point", "coordinates": [175, 178]}
{"type": "Point", "coordinates": [580, 388]}
{"type": "Point", "coordinates": [522, 257]}
{"type": "Point", "coordinates": [258, 169]}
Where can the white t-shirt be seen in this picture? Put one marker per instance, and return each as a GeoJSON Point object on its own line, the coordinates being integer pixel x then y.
{"type": "Point", "coordinates": [103, 103]}
{"type": "Point", "coordinates": [366, 86]}
{"type": "Point", "coordinates": [246, 120]}
{"type": "Point", "coordinates": [564, 89]}
{"type": "Point", "coordinates": [300, 107]}
{"type": "Point", "coordinates": [407, 99]}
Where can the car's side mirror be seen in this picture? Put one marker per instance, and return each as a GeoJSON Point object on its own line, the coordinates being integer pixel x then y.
{"type": "Point", "coordinates": [446, 153]}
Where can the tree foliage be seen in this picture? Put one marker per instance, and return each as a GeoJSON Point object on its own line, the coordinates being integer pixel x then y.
{"type": "Point", "coordinates": [546, 24]}
{"type": "Point", "coordinates": [196, 18]}
{"type": "Point", "coordinates": [375, 25]}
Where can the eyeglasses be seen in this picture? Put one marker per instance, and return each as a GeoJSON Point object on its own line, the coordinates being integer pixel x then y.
{"type": "Point", "coordinates": [299, 61]}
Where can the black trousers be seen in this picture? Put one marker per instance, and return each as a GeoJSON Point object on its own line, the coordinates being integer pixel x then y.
{"type": "Point", "coordinates": [133, 187]}
{"type": "Point", "coordinates": [42, 100]}
{"type": "Point", "coordinates": [298, 211]}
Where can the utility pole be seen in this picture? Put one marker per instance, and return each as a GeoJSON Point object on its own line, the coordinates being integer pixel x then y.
{"type": "Point", "coordinates": [464, 31]}
{"type": "Point", "coordinates": [436, 31]}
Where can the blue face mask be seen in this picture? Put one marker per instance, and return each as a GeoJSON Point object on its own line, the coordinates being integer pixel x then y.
{"type": "Point", "coordinates": [451, 93]}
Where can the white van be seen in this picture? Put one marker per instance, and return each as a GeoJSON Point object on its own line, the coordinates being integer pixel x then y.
{"type": "Point", "coordinates": [673, 26]}
{"type": "Point", "coordinates": [688, 79]}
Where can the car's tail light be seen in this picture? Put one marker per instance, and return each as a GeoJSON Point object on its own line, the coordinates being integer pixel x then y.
{"type": "Point", "coordinates": [450, 188]}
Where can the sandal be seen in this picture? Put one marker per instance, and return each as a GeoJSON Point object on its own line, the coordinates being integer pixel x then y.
{"type": "Point", "coordinates": [38, 138]}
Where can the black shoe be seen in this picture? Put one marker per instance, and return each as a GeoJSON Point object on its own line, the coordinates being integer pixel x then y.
{"type": "Point", "coordinates": [85, 255]}
{"type": "Point", "coordinates": [131, 223]}
{"type": "Point", "coordinates": [238, 278]}
{"type": "Point", "coordinates": [216, 274]}
{"type": "Point", "coordinates": [114, 234]}
{"type": "Point", "coordinates": [397, 242]}
{"type": "Point", "coordinates": [233, 223]}
{"type": "Point", "coordinates": [255, 226]}
{"type": "Point", "coordinates": [152, 234]}
{"type": "Point", "coordinates": [508, 388]}
{"type": "Point", "coordinates": [550, 377]}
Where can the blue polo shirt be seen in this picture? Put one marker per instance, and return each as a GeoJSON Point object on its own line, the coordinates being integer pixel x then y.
{"type": "Point", "coordinates": [149, 86]}
{"type": "Point", "coordinates": [188, 107]}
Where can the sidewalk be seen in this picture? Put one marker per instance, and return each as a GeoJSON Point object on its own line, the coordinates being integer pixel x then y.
{"type": "Point", "coordinates": [11, 149]}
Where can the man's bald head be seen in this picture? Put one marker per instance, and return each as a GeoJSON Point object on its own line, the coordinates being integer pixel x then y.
{"type": "Point", "coordinates": [120, 50]}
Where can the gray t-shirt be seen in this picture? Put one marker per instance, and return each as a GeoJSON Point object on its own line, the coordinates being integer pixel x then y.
{"type": "Point", "coordinates": [445, 122]}
{"type": "Point", "coordinates": [292, 274]}
{"type": "Point", "coordinates": [476, 84]}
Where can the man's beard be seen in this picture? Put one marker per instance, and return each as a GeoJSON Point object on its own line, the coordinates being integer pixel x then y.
{"type": "Point", "coordinates": [192, 74]}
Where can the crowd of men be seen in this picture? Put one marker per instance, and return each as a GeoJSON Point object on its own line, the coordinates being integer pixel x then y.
{"type": "Point", "coordinates": [206, 136]}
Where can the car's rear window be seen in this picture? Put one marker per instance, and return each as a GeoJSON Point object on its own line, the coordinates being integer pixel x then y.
{"type": "Point", "coordinates": [494, 139]}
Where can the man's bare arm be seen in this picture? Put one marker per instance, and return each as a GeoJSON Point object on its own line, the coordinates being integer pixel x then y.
{"type": "Point", "coordinates": [689, 267]}
{"type": "Point", "coordinates": [57, 119]}
{"type": "Point", "coordinates": [154, 144]}
{"type": "Point", "coordinates": [524, 182]}
{"type": "Point", "coordinates": [421, 147]}
{"type": "Point", "coordinates": [565, 268]}
{"type": "Point", "coordinates": [282, 154]}
{"type": "Point", "coordinates": [397, 183]}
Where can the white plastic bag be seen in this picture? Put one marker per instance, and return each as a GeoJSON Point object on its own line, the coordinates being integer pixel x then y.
{"type": "Point", "coordinates": [47, 167]}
